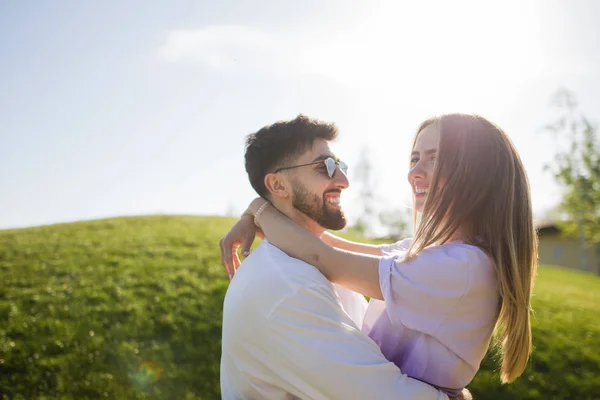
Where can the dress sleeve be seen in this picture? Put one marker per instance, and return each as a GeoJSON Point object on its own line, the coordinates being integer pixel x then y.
{"type": "Point", "coordinates": [422, 292]}
{"type": "Point", "coordinates": [395, 248]}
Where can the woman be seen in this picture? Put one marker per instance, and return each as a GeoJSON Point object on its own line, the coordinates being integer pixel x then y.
{"type": "Point", "coordinates": [467, 273]}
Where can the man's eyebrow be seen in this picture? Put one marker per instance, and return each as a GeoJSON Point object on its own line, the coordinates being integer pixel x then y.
{"type": "Point", "coordinates": [323, 157]}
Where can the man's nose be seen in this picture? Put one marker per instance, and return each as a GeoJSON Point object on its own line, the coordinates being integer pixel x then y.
{"type": "Point", "coordinates": [340, 178]}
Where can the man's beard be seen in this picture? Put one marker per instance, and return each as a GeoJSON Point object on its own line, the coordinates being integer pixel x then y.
{"type": "Point", "coordinates": [316, 208]}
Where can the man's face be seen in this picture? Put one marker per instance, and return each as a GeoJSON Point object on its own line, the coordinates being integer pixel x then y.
{"type": "Point", "coordinates": [314, 193]}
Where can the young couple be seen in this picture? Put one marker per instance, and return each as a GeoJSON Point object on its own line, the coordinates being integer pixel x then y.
{"type": "Point", "coordinates": [295, 323]}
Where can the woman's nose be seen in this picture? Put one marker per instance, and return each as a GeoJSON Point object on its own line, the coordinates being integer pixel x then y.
{"type": "Point", "coordinates": [417, 171]}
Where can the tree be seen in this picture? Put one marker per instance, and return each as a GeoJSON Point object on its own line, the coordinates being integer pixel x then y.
{"type": "Point", "coordinates": [231, 211]}
{"type": "Point", "coordinates": [396, 222]}
{"type": "Point", "coordinates": [577, 170]}
{"type": "Point", "coordinates": [367, 198]}
{"type": "Point", "coordinates": [371, 219]}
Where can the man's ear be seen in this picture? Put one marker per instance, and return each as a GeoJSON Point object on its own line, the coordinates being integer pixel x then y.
{"type": "Point", "coordinates": [277, 185]}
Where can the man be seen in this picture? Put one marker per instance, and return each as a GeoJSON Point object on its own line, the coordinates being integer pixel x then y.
{"type": "Point", "coordinates": [287, 331]}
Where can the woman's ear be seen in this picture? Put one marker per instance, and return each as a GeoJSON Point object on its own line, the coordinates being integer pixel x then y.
{"type": "Point", "coordinates": [277, 185]}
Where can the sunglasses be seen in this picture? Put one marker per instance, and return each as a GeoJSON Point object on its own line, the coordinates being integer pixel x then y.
{"type": "Point", "coordinates": [329, 162]}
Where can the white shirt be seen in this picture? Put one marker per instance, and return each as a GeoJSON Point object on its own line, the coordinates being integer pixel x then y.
{"type": "Point", "coordinates": [286, 335]}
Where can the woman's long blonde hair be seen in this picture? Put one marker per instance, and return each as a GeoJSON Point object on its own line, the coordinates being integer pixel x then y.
{"type": "Point", "coordinates": [485, 192]}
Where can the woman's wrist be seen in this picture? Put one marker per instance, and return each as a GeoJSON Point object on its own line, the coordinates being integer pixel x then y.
{"type": "Point", "coordinates": [258, 213]}
{"type": "Point", "coordinates": [247, 214]}
{"type": "Point", "coordinates": [255, 205]}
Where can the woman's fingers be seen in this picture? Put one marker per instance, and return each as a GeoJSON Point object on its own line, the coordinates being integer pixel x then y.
{"type": "Point", "coordinates": [226, 257]}
{"type": "Point", "coordinates": [243, 232]}
{"type": "Point", "coordinates": [235, 258]}
{"type": "Point", "coordinates": [247, 244]}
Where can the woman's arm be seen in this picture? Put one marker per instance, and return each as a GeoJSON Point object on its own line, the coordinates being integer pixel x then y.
{"type": "Point", "coordinates": [242, 234]}
{"type": "Point", "coordinates": [358, 272]}
{"type": "Point", "coordinates": [355, 247]}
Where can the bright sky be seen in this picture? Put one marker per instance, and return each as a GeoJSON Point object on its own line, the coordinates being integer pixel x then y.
{"type": "Point", "coordinates": [112, 108]}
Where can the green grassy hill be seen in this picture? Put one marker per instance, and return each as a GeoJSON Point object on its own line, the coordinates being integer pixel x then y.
{"type": "Point", "coordinates": [131, 308]}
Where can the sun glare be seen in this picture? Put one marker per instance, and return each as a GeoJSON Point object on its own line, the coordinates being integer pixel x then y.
{"type": "Point", "coordinates": [446, 53]}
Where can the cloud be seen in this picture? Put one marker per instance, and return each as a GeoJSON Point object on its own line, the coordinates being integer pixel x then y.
{"type": "Point", "coordinates": [226, 48]}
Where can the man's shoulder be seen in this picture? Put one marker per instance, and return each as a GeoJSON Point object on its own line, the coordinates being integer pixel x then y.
{"type": "Point", "coordinates": [269, 270]}
{"type": "Point", "coordinates": [265, 280]}
{"type": "Point", "coordinates": [273, 265]}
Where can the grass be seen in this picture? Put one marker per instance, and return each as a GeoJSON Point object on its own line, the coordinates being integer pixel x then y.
{"type": "Point", "coordinates": [130, 308]}
{"type": "Point", "coordinates": [565, 363]}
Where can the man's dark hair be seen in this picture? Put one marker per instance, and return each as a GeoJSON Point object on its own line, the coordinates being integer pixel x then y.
{"type": "Point", "coordinates": [278, 144]}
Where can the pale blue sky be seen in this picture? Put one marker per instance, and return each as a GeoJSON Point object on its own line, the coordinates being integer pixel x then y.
{"type": "Point", "coordinates": [125, 108]}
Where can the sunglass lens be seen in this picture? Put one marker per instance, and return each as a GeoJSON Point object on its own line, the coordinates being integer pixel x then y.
{"type": "Point", "coordinates": [330, 164]}
{"type": "Point", "coordinates": [343, 167]}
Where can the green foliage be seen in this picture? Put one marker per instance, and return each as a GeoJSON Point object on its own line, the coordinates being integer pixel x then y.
{"type": "Point", "coordinates": [576, 169]}
{"type": "Point", "coordinates": [130, 308]}
{"type": "Point", "coordinates": [396, 222]}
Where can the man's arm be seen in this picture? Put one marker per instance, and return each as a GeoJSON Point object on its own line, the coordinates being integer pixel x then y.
{"type": "Point", "coordinates": [319, 353]}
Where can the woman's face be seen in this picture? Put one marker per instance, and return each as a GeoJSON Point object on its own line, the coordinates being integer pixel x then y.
{"type": "Point", "coordinates": [422, 162]}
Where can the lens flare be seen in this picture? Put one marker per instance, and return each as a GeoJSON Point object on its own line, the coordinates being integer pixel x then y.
{"type": "Point", "coordinates": [148, 373]}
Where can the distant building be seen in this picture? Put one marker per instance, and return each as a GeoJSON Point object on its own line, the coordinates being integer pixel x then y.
{"type": "Point", "coordinates": [554, 249]}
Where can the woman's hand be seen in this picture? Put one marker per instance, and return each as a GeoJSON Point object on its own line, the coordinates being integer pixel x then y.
{"type": "Point", "coordinates": [464, 395]}
{"type": "Point", "coordinates": [242, 233]}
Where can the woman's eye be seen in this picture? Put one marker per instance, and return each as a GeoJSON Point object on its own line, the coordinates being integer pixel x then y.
{"type": "Point", "coordinates": [413, 161]}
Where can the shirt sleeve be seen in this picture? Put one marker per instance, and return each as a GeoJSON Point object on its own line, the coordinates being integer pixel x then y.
{"type": "Point", "coordinates": [319, 353]}
{"type": "Point", "coordinates": [354, 304]}
{"type": "Point", "coordinates": [422, 292]}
